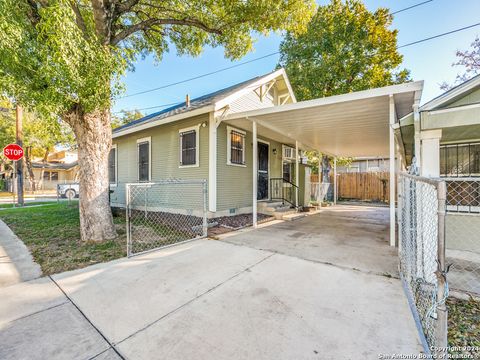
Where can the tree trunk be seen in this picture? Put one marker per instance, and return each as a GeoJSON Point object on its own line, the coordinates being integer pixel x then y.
{"type": "Point", "coordinates": [94, 139]}
{"type": "Point", "coordinates": [31, 175]}
{"type": "Point", "coordinates": [325, 169]}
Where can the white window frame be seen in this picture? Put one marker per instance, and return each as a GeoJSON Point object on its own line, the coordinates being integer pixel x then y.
{"type": "Point", "coordinates": [114, 184]}
{"type": "Point", "coordinates": [229, 146]}
{"type": "Point", "coordinates": [143, 140]}
{"type": "Point", "coordinates": [195, 128]}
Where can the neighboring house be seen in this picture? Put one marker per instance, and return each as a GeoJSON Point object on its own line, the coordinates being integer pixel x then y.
{"type": "Point", "coordinates": [191, 141]}
{"type": "Point", "coordinates": [369, 164]}
{"type": "Point", "coordinates": [60, 167]}
{"type": "Point", "coordinates": [446, 135]}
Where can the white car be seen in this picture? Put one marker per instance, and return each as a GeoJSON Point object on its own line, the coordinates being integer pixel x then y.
{"type": "Point", "coordinates": [69, 191]}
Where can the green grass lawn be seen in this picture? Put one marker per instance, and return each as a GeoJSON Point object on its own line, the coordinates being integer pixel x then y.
{"type": "Point", "coordinates": [52, 234]}
{"type": "Point", "coordinates": [30, 203]}
{"type": "Point", "coordinates": [464, 326]}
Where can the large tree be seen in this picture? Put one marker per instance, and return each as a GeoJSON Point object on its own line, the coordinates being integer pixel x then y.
{"type": "Point", "coordinates": [65, 57]}
{"type": "Point", "coordinates": [346, 48]}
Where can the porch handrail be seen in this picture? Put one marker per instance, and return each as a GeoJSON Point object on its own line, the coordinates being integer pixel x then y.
{"type": "Point", "coordinates": [282, 189]}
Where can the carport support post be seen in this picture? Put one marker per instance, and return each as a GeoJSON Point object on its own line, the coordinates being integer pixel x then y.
{"type": "Point", "coordinates": [254, 172]}
{"type": "Point", "coordinates": [297, 174]}
{"type": "Point", "coordinates": [335, 180]}
{"type": "Point", "coordinates": [392, 170]}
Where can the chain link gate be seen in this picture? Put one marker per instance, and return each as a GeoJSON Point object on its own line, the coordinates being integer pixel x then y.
{"type": "Point", "coordinates": [463, 233]}
{"type": "Point", "coordinates": [164, 213]}
{"type": "Point", "coordinates": [422, 255]}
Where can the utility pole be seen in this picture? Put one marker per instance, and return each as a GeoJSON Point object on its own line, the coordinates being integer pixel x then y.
{"type": "Point", "coordinates": [19, 140]}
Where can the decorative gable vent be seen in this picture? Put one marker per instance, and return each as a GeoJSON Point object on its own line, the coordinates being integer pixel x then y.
{"type": "Point", "coordinates": [288, 153]}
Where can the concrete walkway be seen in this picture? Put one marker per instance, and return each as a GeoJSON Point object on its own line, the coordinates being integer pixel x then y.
{"type": "Point", "coordinates": [207, 299]}
{"type": "Point", "coordinates": [349, 236]}
{"type": "Point", "coordinates": [16, 262]}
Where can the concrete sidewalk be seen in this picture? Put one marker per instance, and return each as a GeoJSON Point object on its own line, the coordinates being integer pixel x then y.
{"type": "Point", "coordinates": [16, 262]}
{"type": "Point", "coordinates": [207, 300]}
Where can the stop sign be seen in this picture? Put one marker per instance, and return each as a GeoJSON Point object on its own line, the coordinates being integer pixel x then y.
{"type": "Point", "coordinates": [13, 152]}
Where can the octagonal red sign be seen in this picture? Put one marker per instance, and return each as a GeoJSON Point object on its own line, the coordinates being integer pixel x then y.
{"type": "Point", "coordinates": [13, 152]}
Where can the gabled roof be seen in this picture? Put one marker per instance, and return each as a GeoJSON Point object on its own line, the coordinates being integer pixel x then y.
{"type": "Point", "coordinates": [453, 94]}
{"type": "Point", "coordinates": [202, 104]}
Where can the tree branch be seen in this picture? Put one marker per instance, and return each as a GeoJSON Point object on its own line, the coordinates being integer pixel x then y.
{"type": "Point", "coordinates": [78, 17]}
{"type": "Point", "coordinates": [124, 7]}
{"type": "Point", "coordinates": [33, 14]}
{"type": "Point", "coordinates": [148, 24]}
{"type": "Point", "coordinates": [102, 19]}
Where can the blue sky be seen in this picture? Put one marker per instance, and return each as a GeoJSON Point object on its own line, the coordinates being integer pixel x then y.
{"type": "Point", "coordinates": [430, 61]}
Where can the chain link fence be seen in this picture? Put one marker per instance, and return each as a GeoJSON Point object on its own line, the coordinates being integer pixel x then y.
{"type": "Point", "coordinates": [463, 233]}
{"type": "Point", "coordinates": [422, 254]}
{"type": "Point", "coordinates": [164, 213]}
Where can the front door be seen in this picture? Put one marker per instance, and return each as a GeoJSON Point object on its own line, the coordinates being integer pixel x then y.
{"type": "Point", "coordinates": [262, 192]}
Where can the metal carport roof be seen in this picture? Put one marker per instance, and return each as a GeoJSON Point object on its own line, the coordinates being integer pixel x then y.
{"type": "Point", "coordinates": [354, 124]}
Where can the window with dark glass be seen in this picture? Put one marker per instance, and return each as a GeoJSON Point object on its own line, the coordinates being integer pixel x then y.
{"type": "Point", "coordinates": [237, 147]}
{"type": "Point", "coordinates": [46, 175]}
{"type": "Point", "coordinates": [54, 175]}
{"type": "Point", "coordinates": [460, 160]}
{"type": "Point", "coordinates": [287, 171]}
{"type": "Point", "coordinates": [143, 161]}
{"type": "Point", "coordinates": [112, 171]}
{"type": "Point", "coordinates": [188, 146]}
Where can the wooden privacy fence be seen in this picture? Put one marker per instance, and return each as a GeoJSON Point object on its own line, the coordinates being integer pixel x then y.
{"type": "Point", "coordinates": [366, 186]}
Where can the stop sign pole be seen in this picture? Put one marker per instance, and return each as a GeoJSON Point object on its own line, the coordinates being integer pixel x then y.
{"type": "Point", "coordinates": [19, 136]}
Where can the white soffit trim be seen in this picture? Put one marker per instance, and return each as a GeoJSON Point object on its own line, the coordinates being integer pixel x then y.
{"type": "Point", "coordinates": [167, 120]}
{"type": "Point", "coordinates": [416, 87]}
{"type": "Point", "coordinates": [451, 94]}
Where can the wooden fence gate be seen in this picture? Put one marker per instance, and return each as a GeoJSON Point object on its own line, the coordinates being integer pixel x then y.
{"type": "Point", "coordinates": [366, 186]}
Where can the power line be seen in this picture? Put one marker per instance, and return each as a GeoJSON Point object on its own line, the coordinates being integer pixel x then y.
{"type": "Point", "coordinates": [411, 7]}
{"type": "Point", "coordinates": [439, 35]}
{"type": "Point", "coordinates": [236, 65]}
{"type": "Point", "coordinates": [148, 108]}
{"type": "Point", "coordinates": [200, 76]}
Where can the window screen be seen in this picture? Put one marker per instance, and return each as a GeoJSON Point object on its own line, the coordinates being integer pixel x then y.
{"type": "Point", "coordinates": [188, 146]}
{"type": "Point", "coordinates": [111, 165]}
{"type": "Point", "coordinates": [237, 145]}
{"type": "Point", "coordinates": [143, 161]}
{"type": "Point", "coordinates": [460, 160]}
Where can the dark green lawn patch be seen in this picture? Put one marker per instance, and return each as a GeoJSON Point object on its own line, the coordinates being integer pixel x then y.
{"type": "Point", "coordinates": [52, 234]}
{"type": "Point", "coordinates": [464, 326]}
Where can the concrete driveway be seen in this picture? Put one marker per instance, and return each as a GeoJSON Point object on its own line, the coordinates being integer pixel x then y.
{"type": "Point", "coordinates": [209, 299]}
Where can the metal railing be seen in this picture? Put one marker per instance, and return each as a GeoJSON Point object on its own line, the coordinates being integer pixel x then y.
{"type": "Point", "coordinates": [164, 213]}
{"type": "Point", "coordinates": [422, 255]}
{"type": "Point", "coordinates": [284, 190]}
{"type": "Point", "coordinates": [463, 233]}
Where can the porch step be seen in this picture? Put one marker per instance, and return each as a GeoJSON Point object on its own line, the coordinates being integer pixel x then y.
{"type": "Point", "coordinates": [292, 217]}
{"type": "Point", "coordinates": [268, 204]}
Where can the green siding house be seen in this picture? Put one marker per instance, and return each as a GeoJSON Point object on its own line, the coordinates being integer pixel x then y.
{"type": "Point", "coordinates": [193, 140]}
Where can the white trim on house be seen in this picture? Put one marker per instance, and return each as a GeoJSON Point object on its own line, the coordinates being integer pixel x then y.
{"type": "Point", "coordinates": [229, 146]}
{"type": "Point", "coordinates": [416, 86]}
{"type": "Point", "coordinates": [212, 162]}
{"type": "Point", "coordinates": [114, 184]}
{"type": "Point", "coordinates": [162, 121]}
{"type": "Point", "coordinates": [195, 128]}
{"type": "Point", "coordinates": [144, 140]}
{"type": "Point", "coordinates": [261, 81]}
{"type": "Point", "coordinates": [452, 94]}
